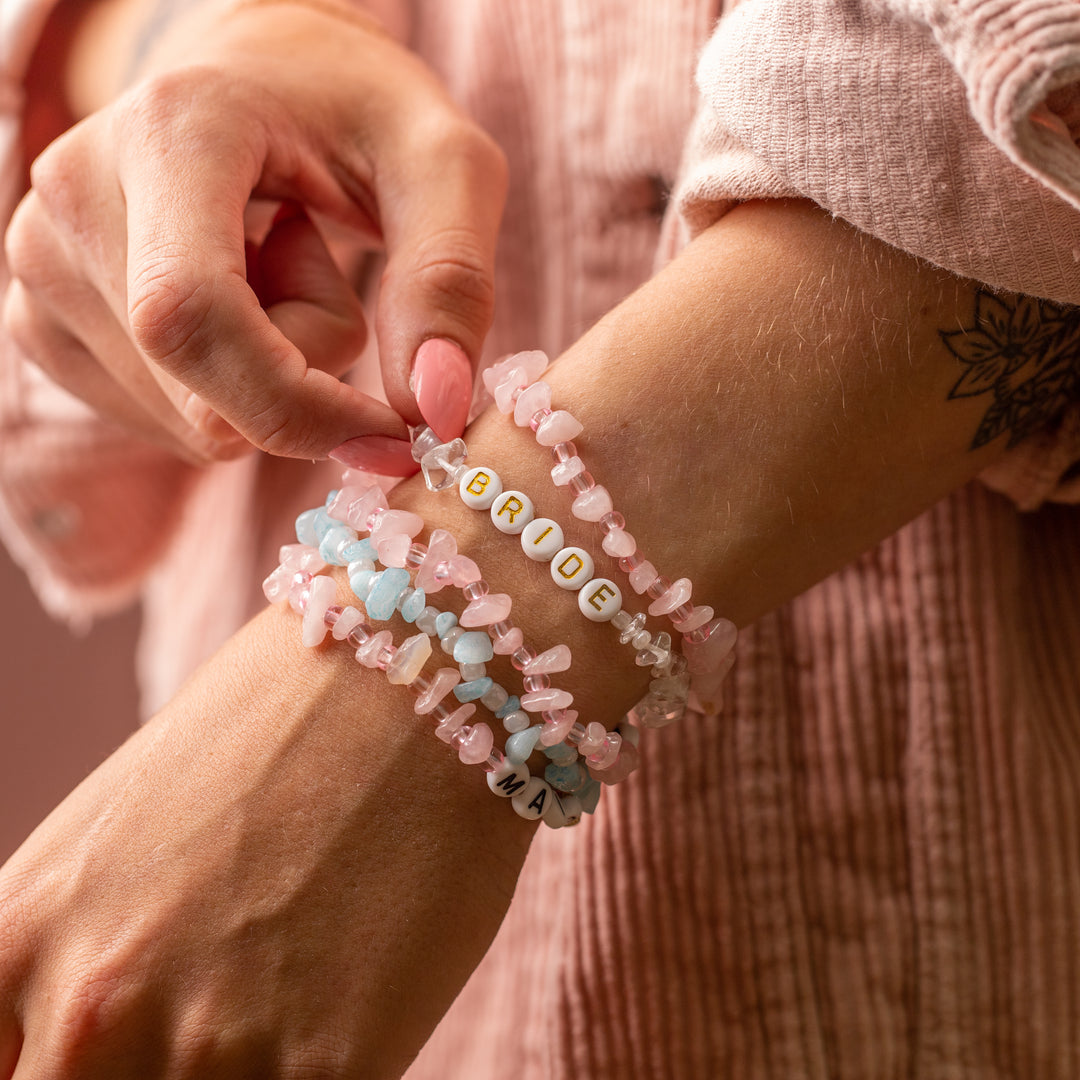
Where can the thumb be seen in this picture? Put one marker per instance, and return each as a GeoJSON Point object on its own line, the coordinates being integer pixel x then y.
{"type": "Point", "coordinates": [441, 220]}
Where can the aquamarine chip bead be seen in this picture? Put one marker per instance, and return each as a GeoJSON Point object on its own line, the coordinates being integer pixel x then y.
{"type": "Point", "coordinates": [590, 796]}
{"type": "Point", "coordinates": [382, 601]}
{"type": "Point", "coordinates": [473, 647]}
{"type": "Point", "coordinates": [360, 581]}
{"type": "Point", "coordinates": [413, 605]}
{"type": "Point", "coordinates": [569, 778]}
{"type": "Point", "coordinates": [305, 528]}
{"type": "Point", "coordinates": [360, 549]}
{"type": "Point", "coordinates": [333, 540]}
{"type": "Point", "coordinates": [513, 703]}
{"type": "Point", "coordinates": [323, 523]}
{"type": "Point", "coordinates": [445, 621]}
{"type": "Point", "coordinates": [474, 689]}
{"type": "Point", "coordinates": [331, 496]}
{"type": "Point", "coordinates": [522, 743]}
{"type": "Point", "coordinates": [561, 753]}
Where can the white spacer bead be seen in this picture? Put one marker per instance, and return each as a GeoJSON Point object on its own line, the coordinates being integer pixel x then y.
{"type": "Point", "coordinates": [562, 811]}
{"type": "Point", "coordinates": [480, 487]}
{"type": "Point", "coordinates": [600, 600]}
{"type": "Point", "coordinates": [571, 568]}
{"type": "Point", "coordinates": [542, 539]}
{"type": "Point", "coordinates": [512, 511]}
{"type": "Point", "coordinates": [533, 800]}
{"type": "Point", "coordinates": [509, 781]}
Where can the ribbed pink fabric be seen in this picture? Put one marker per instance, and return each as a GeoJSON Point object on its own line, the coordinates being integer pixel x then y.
{"type": "Point", "coordinates": [869, 866]}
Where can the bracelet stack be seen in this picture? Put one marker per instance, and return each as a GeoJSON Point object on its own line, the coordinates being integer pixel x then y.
{"type": "Point", "coordinates": [356, 529]}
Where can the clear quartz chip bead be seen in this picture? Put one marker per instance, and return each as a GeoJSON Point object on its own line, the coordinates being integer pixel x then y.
{"type": "Point", "coordinates": [631, 630]}
{"type": "Point", "coordinates": [424, 440]}
{"type": "Point", "coordinates": [444, 465]}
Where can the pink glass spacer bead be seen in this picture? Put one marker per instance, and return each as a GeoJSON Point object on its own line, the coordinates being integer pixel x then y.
{"type": "Point", "coordinates": [658, 586]}
{"type": "Point", "coordinates": [563, 451]}
{"type": "Point", "coordinates": [522, 657]}
{"type": "Point", "coordinates": [559, 426]}
{"type": "Point", "coordinates": [485, 610]}
{"type": "Point", "coordinates": [530, 401]}
{"type": "Point", "coordinates": [592, 505]}
{"type": "Point", "coordinates": [533, 683]}
{"type": "Point", "coordinates": [546, 700]}
{"type": "Point", "coordinates": [677, 594]}
{"type": "Point", "coordinates": [565, 471]}
{"type": "Point", "coordinates": [557, 658]}
{"type": "Point", "coordinates": [442, 682]}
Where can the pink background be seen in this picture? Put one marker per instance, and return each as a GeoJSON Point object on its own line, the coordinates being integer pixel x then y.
{"type": "Point", "coordinates": [66, 703]}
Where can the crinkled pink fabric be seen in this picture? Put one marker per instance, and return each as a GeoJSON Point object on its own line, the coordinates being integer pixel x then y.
{"type": "Point", "coordinates": [869, 865]}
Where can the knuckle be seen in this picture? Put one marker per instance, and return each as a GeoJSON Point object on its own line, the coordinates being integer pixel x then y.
{"type": "Point", "coordinates": [25, 250]}
{"type": "Point", "coordinates": [451, 268]}
{"type": "Point", "coordinates": [55, 176]}
{"type": "Point", "coordinates": [170, 307]}
{"type": "Point", "coordinates": [93, 999]}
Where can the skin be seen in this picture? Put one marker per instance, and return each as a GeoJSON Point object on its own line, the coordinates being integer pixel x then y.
{"type": "Point", "coordinates": [283, 873]}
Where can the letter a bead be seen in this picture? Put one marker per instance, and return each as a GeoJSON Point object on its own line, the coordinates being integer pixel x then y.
{"type": "Point", "coordinates": [480, 487]}
{"type": "Point", "coordinates": [511, 512]}
{"type": "Point", "coordinates": [571, 568]}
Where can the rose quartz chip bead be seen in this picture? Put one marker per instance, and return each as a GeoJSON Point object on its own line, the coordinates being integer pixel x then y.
{"type": "Point", "coordinates": [450, 723]}
{"type": "Point", "coordinates": [545, 700]}
{"type": "Point", "coordinates": [442, 682]}
{"type": "Point", "coordinates": [321, 594]}
{"type": "Point", "coordinates": [473, 744]}
{"type": "Point", "coordinates": [593, 504]}
{"type": "Point", "coordinates": [485, 610]}
{"type": "Point", "coordinates": [707, 647]}
{"type": "Point", "coordinates": [674, 596]}
{"type": "Point", "coordinates": [557, 658]}
{"type": "Point", "coordinates": [559, 426]}
{"type": "Point", "coordinates": [531, 401]}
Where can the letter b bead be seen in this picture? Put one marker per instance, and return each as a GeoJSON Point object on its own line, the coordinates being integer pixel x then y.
{"type": "Point", "coordinates": [480, 487]}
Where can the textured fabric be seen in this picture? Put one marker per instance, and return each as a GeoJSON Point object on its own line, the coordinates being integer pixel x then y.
{"type": "Point", "coordinates": [869, 865]}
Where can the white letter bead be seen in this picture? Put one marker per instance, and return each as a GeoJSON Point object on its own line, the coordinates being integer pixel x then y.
{"type": "Point", "coordinates": [600, 600]}
{"type": "Point", "coordinates": [511, 512]}
{"type": "Point", "coordinates": [533, 800]}
{"type": "Point", "coordinates": [480, 487]}
{"type": "Point", "coordinates": [542, 539]}
{"type": "Point", "coordinates": [571, 568]}
{"type": "Point", "coordinates": [509, 781]}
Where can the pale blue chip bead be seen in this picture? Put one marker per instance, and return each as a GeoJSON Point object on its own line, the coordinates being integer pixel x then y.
{"type": "Point", "coordinates": [513, 703]}
{"type": "Point", "coordinates": [361, 581]}
{"type": "Point", "coordinates": [382, 600]}
{"type": "Point", "coordinates": [413, 605]}
{"type": "Point", "coordinates": [569, 778]}
{"type": "Point", "coordinates": [473, 647]}
{"type": "Point", "coordinates": [305, 528]}
{"type": "Point", "coordinates": [330, 497]}
{"type": "Point", "coordinates": [426, 621]}
{"type": "Point", "coordinates": [333, 543]}
{"type": "Point", "coordinates": [590, 796]}
{"type": "Point", "coordinates": [445, 621]}
{"type": "Point", "coordinates": [360, 549]}
{"type": "Point", "coordinates": [522, 743]}
{"type": "Point", "coordinates": [323, 523]}
{"type": "Point", "coordinates": [561, 753]}
{"type": "Point", "coordinates": [473, 690]}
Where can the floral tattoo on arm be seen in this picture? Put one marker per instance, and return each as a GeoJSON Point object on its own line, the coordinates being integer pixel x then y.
{"type": "Point", "coordinates": [1025, 353]}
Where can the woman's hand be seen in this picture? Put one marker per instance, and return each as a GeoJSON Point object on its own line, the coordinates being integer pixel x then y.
{"type": "Point", "coordinates": [133, 287]}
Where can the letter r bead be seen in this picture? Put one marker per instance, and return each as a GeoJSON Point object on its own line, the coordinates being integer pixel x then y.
{"type": "Point", "coordinates": [511, 512]}
{"type": "Point", "coordinates": [600, 600]}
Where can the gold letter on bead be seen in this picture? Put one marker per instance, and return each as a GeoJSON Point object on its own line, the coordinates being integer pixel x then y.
{"type": "Point", "coordinates": [482, 479]}
{"type": "Point", "coordinates": [600, 594]}
{"type": "Point", "coordinates": [577, 569]}
{"type": "Point", "coordinates": [513, 506]}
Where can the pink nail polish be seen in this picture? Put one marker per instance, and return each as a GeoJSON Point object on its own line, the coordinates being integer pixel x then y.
{"type": "Point", "coordinates": [379, 454]}
{"type": "Point", "coordinates": [442, 381]}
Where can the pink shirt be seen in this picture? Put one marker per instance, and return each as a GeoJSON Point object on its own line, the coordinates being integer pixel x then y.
{"type": "Point", "coordinates": [869, 865]}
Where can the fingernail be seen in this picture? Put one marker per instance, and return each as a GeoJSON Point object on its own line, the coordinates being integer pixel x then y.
{"type": "Point", "coordinates": [442, 383]}
{"type": "Point", "coordinates": [377, 454]}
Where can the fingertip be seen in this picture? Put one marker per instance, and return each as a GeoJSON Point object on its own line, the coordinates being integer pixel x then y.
{"type": "Point", "coordinates": [442, 383]}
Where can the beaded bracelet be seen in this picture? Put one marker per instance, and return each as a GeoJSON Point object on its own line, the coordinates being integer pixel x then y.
{"type": "Point", "coordinates": [311, 596]}
{"type": "Point", "coordinates": [708, 642]}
